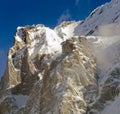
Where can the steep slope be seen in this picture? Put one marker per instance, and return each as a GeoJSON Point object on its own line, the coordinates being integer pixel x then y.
{"type": "Point", "coordinates": [30, 43]}
{"type": "Point", "coordinates": [66, 82]}
{"type": "Point", "coordinates": [103, 15]}
{"type": "Point", "coordinates": [59, 71]}
{"type": "Point", "coordinates": [73, 69]}
{"type": "Point", "coordinates": [66, 29]}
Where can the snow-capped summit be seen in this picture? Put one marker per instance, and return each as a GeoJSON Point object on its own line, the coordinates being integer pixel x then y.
{"type": "Point", "coordinates": [103, 15]}
{"type": "Point", "coordinates": [67, 29]}
{"type": "Point", "coordinates": [73, 69]}
{"type": "Point", "coordinates": [38, 40]}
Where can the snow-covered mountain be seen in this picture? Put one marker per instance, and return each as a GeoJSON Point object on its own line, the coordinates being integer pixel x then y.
{"type": "Point", "coordinates": [73, 69]}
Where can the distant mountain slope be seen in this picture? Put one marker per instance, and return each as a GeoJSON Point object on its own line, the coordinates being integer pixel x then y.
{"type": "Point", "coordinates": [103, 15]}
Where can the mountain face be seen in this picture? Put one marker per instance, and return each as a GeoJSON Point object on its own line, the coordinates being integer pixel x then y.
{"type": "Point", "coordinates": [73, 69]}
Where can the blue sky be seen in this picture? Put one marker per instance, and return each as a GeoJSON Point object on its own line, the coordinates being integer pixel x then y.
{"type": "Point", "coordinates": [15, 13]}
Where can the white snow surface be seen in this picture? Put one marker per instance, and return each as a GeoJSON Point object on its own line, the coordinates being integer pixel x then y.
{"type": "Point", "coordinates": [103, 15]}
{"type": "Point", "coordinates": [44, 41]}
{"type": "Point", "coordinates": [112, 107]}
{"type": "Point", "coordinates": [19, 34]}
{"type": "Point", "coordinates": [67, 29]}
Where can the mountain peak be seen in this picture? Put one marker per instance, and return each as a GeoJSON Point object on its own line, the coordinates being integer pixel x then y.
{"type": "Point", "coordinates": [73, 69]}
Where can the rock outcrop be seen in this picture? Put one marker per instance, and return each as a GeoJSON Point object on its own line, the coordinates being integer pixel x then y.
{"type": "Point", "coordinates": [61, 71]}
{"type": "Point", "coordinates": [57, 83]}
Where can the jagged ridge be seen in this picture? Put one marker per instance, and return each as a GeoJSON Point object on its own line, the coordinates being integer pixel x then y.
{"type": "Point", "coordinates": [62, 71]}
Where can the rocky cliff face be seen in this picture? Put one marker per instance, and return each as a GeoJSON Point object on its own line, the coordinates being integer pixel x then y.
{"type": "Point", "coordinates": [61, 71]}
{"type": "Point", "coordinates": [57, 78]}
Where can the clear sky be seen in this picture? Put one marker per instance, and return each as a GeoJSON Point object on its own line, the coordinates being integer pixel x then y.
{"type": "Point", "coordinates": [15, 13]}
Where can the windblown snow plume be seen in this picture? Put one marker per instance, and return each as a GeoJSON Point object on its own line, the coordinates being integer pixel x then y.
{"type": "Point", "coordinates": [106, 45]}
